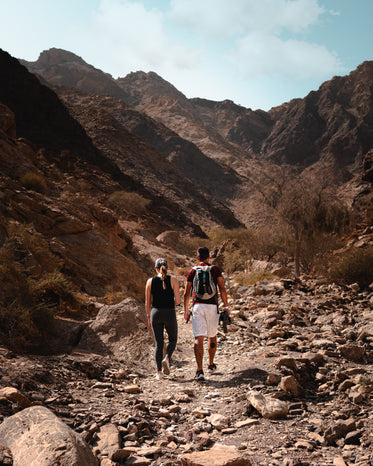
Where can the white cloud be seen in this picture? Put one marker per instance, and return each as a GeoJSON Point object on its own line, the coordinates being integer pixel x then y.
{"type": "Point", "coordinates": [124, 36]}
{"type": "Point", "coordinates": [265, 37]}
{"type": "Point", "coordinates": [207, 48]}
{"type": "Point", "coordinates": [220, 18]}
{"type": "Point", "coordinates": [258, 54]}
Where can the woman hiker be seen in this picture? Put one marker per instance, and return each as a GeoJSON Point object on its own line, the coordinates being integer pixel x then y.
{"type": "Point", "coordinates": [161, 295]}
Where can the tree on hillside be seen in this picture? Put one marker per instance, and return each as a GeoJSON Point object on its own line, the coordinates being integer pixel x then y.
{"type": "Point", "coordinates": [307, 205]}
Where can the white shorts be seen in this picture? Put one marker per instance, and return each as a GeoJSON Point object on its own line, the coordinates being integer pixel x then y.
{"type": "Point", "coordinates": [205, 320]}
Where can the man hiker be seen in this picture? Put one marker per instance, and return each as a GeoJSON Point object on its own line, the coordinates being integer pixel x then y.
{"type": "Point", "coordinates": [204, 281]}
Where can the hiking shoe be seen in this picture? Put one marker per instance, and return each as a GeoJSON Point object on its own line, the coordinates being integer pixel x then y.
{"type": "Point", "coordinates": [199, 375]}
{"type": "Point", "coordinates": [211, 368]}
{"type": "Point", "coordinates": [166, 366]}
{"type": "Point", "coordinates": [159, 376]}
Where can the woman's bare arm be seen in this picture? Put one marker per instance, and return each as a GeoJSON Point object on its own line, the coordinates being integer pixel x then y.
{"type": "Point", "coordinates": [176, 287]}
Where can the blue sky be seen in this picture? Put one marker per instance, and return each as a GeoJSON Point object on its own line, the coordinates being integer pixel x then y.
{"type": "Point", "coordinates": [258, 53]}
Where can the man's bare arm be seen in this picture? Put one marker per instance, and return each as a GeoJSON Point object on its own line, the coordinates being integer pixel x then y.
{"type": "Point", "coordinates": [188, 287]}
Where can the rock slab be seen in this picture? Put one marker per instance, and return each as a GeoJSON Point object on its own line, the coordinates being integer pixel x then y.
{"type": "Point", "coordinates": [218, 455]}
{"type": "Point", "coordinates": [36, 437]}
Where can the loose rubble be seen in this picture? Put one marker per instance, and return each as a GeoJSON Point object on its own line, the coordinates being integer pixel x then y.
{"type": "Point", "coordinates": [293, 387]}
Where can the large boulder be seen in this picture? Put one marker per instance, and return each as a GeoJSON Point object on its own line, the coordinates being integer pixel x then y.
{"type": "Point", "coordinates": [36, 437]}
{"type": "Point", "coordinates": [113, 329]}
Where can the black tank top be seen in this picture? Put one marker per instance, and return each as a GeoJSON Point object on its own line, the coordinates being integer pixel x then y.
{"type": "Point", "coordinates": [162, 299]}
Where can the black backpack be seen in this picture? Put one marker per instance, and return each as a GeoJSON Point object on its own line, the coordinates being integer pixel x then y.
{"type": "Point", "coordinates": [203, 283]}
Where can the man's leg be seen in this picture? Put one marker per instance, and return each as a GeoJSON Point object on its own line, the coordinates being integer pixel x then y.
{"type": "Point", "coordinates": [212, 349]}
{"type": "Point", "coordinates": [198, 351]}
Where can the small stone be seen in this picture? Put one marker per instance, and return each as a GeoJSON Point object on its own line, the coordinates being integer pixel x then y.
{"type": "Point", "coordinates": [339, 461]}
{"type": "Point", "coordinates": [247, 423]}
{"type": "Point", "coordinates": [290, 385]}
{"type": "Point", "coordinates": [269, 408]}
{"type": "Point", "coordinates": [218, 455]}
{"type": "Point", "coordinates": [345, 385]}
{"type": "Point", "coordinates": [353, 438]}
{"type": "Point", "coordinates": [272, 380]}
{"type": "Point", "coordinates": [121, 454]}
{"type": "Point", "coordinates": [352, 352]}
{"type": "Point", "coordinates": [356, 397]}
{"type": "Point", "coordinates": [201, 412]}
{"type": "Point", "coordinates": [304, 444]}
{"type": "Point", "coordinates": [218, 421]}
{"type": "Point", "coordinates": [15, 396]}
{"type": "Point", "coordinates": [132, 389]}
{"type": "Point", "coordinates": [229, 430]}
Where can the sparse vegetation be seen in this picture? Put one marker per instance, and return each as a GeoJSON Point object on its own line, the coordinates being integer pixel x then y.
{"type": "Point", "coordinates": [353, 266]}
{"type": "Point", "coordinates": [251, 278]}
{"type": "Point", "coordinates": [33, 289]}
{"type": "Point", "coordinates": [127, 203]}
{"type": "Point", "coordinates": [34, 182]}
{"type": "Point", "coordinates": [306, 205]}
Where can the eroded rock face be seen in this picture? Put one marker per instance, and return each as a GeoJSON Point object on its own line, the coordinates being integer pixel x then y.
{"type": "Point", "coordinates": [36, 437]}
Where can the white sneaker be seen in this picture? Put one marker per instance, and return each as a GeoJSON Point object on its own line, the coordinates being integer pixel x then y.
{"type": "Point", "coordinates": [159, 376]}
{"type": "Point", "coordinates": [166, 366]}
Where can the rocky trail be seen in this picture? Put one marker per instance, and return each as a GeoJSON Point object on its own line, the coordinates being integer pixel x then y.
{"type": "Point", "coordinates": [293, 387]}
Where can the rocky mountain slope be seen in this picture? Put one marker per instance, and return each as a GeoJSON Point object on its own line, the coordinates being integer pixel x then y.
{"type": "Point", "coordinates": [331, 127]}
{"type": "Point", "coordinates": [43, 132]}
{"type": "Point", "coordinates": [60, 67]}
{"type": "Point", "coordinates": [68, 203]}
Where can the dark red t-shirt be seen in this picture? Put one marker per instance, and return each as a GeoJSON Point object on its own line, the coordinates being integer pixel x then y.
{"type": "Point", "coordinates": [215, 272]}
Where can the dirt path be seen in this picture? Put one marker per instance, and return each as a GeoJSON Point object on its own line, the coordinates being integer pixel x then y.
{"type": "Point", "coordinates": [316, 337]}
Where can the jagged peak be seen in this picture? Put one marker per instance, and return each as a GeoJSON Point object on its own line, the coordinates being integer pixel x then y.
{"type": "Point", "coordinates": [58, 56]}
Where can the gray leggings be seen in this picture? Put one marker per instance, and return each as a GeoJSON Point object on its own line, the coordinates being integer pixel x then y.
{"type": "Point", "coordinates": [163, 319]}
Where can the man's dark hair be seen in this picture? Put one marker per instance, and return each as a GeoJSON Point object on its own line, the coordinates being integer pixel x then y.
{"type": "Point", "coordinates": [203, 253]}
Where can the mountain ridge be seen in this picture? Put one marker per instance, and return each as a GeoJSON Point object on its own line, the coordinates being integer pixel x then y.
{"type": "Point", "coordinates": [330, 126]}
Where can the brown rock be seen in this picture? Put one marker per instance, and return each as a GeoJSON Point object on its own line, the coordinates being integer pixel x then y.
{"type": "Point", "coordinates": [268, 407]}
{"type": "Point", "coordinates": [218, 455]}
{"type": "Point", "coordinates": [37, 435]}
{"type": "Point", "coordinates": [132, 389]}
{"type": "Point", "coordinates": [108, 440]}
{"type": "Point", "coordinates": [339, 430]}
{"type": "Point", "coordinates": [14, 395]}
{"type": "Point", "coordinates": [290, 385]}
{"type": "Point", "coordinates": [352, 352]}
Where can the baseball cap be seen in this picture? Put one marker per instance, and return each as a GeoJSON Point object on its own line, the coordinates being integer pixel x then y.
{"type": "Point", "coordinates": [159, 262]}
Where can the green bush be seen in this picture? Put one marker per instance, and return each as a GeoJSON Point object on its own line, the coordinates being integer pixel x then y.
{"type": "Point", "coordinates": [353, 266]}
{"type": "Point", "coordinates": [34, 182]}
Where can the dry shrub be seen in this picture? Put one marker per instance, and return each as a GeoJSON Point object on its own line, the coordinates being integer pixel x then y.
{"type": "Point", "coordinates": [54, 291]}
{"type": "Point", "coordinates": [34, 182]}
{"type": "Point", "coordinates": [33, 248]}
{"type": "Point", "coordinates": [353, 266]}
{"type": "Point", "coordinates": [32, 289]}
{"type": "Point", "coordinates": [315, 251]}
{"type": "Point", "coordinates": [254, 277]}
{"type": "Point", "coordinates": [129, 203]}
{"type": "Point", "coordinates": [189, 246]}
